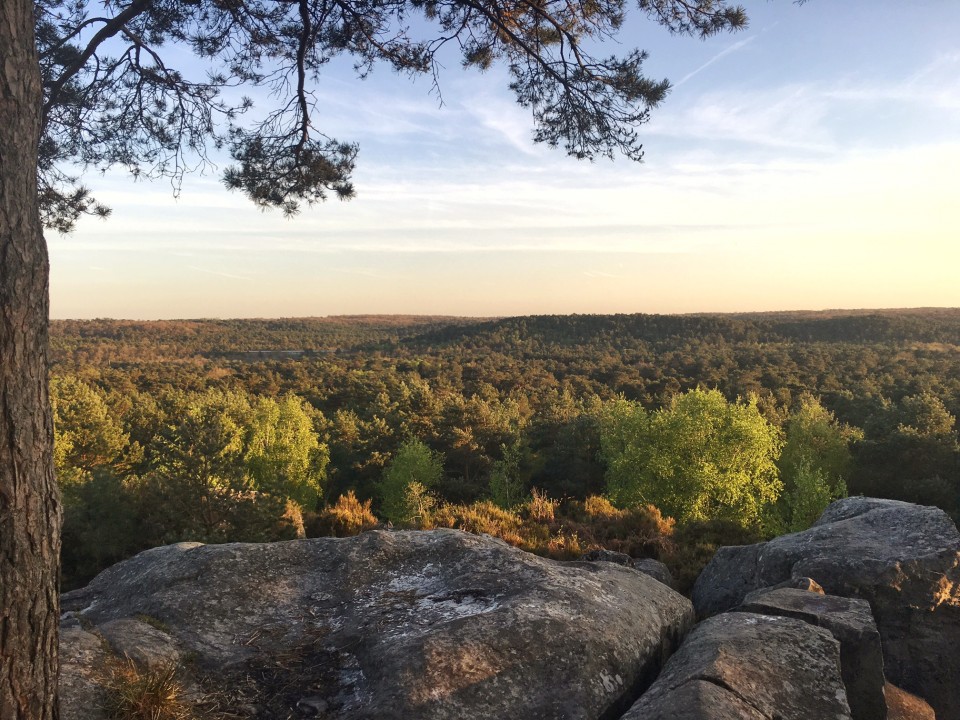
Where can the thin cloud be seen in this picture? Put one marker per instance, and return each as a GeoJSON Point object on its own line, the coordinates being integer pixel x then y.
{"type": "Point", "coordinates": [788, 117]}
{"type": "Point", "coordinates": [942, 68]}
{"type": "Point", "coordinates": [599, 274]}
{"type": "Point", "coordinates": [218, 273]}
{"type": "Point", "coordinates": [935, 86]}
{"type": "Point", "coordinates": [591, 241]}
{"type": "Point", "coordinates": [813, 117]}
{"type": "Point", "coordinates": [504, 120]}
{"type": "Point", "coordinates": [719, 56]}
{"type": "Point", "coordinates": [363, 272]}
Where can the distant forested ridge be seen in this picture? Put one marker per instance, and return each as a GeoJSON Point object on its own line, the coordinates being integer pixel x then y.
{"type": "Point", "coordinates": [306, 411]}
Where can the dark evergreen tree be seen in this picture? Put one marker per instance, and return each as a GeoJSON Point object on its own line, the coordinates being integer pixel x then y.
{"type": "Point", "coordinates": [113, 97]}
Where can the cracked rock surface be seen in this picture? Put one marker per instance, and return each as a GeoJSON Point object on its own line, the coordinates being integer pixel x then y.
{"type": "Point", "coordinates": [425, 625]}
{"type": "Point", "coordinates": [903, 559]}
{"type": "Point", "coordinates": [850, 621]}
{"type": "Point", "coordinates": [756, 667]}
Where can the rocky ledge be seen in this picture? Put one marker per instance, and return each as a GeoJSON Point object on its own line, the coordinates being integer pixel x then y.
{"type": "Point", "coordinates": [437, 624]}
{"type": "Point", "coordinates": [828, 623]}
{"type": "Point", "coordinates": [902, 559]}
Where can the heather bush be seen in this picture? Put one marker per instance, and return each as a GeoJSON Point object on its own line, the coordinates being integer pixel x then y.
{"type": "Point", "coordinates": [540, 507]}
{"type": "Point", "coordinates": [482, 517]}
{"type": "Point", "coordinates": [348, 516]}
{"type": "Point", "coordinates": [640, 531]}
{"type": "Point", "coordinates": [565, 530]}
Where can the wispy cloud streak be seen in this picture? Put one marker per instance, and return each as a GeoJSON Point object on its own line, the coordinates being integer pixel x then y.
{"type": "Point", "coordinates": [218, 273]}
{"type": "Point", "coordinates": [716, 58]}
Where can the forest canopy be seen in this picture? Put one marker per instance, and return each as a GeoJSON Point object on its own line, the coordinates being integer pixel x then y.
{"type": "Point", "coordinates": [525, 427]}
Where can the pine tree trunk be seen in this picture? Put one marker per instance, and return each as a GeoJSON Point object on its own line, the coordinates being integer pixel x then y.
{"type": "Point", "coordinates": [29, 501]}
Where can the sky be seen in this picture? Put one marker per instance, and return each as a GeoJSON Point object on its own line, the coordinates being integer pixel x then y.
{"type": "Point", "coordinates": [811, 161]}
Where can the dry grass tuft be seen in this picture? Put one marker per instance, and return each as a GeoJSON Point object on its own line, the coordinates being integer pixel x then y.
{"type": "Point", "coordinates": [541, 508]}
{"type": "Point", "coordinates": [138, 694]}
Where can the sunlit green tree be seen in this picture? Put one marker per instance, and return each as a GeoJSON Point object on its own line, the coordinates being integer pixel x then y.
{"type": "Point", "coordinates": [284, 454]}
{"type": "Point", "coordinates": [507, 481]}
{"type": "Point", "coordinates": [815, 438]}
{"type": "Point", "coordinates": [407, 481]}
{"type": "Point", "coordinates": [198, 470]}
{"type": "Point", "coordinates": [814, 464]}
{"type": "Point", "coordinates": [699, 458]}
{"type": "Point", "coordinates": [86, 433]}
{"type": "Point", "coordinates": [227, 468]}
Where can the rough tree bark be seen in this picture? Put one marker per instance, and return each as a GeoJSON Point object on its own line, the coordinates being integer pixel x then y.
{"type": "Point", "coordinates": [29, 501]}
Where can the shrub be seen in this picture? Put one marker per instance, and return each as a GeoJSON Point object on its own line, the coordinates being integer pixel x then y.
{"type": "Point", "coordinates": [564, 546]}
{"type": "Point", "coordinates": [638, 531]}
{"type": "Point", "coordinates": [566, 530]}
{"type": "Point", "coordinates": [100, 527]}
{"type": "Point", "coordinates": [407, 483]}
{"type": "Point", "coordinates": [346, 517]}
{"type": "Point", "coordinates": [252, 516]}
{"type": "Point", "coordinates": [540, 507]}
{"type": "Point", "coordinates": [173, 509]}
{"type": "Point", "coordinates": [809, 494]}
{"type": "Point", "coordinates": [506, 479]}
{"type": "Point", "coordinates": [694, 544]}
{"type": "Point", "coordinates": [482, 517]}
{"type": "Point", "coordinates": [597, 506]}
{"type": "Point", "coordinates": [291, 522]}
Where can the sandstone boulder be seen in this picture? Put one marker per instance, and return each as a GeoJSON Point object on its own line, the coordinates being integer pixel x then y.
{"type": "Point", "coordinates": [655, 569]}
{"type": "Point", "coordinates": [801, 583]}
{"type": "Point", "coordinates": [743, 666]}
{"type": "Point", "coordinates": [727, 579]}
{"type": "Point", "coordinates": [849, 620]}
{"type": "Point", "coordinates": [649, 566]}
{"type": "Point", "coordinates": [903, 559]}
{"type": "Point", "coordinates": [83, 657]}
{"type": "Point", "coordinates": [385, 625]}
{"type": "Point", "coordinates": [141, 642]}
{"type": "Point", "coordinates": [602, 555]}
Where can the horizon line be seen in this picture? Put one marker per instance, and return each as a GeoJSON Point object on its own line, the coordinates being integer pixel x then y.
{"type": "Point", "coordinates": [441, 316]}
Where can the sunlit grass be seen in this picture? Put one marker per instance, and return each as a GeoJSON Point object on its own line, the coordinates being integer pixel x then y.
{"type": "Point", "coordinates": [146, 694]}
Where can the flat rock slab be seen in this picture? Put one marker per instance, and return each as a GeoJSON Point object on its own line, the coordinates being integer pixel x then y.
{"type": "Point", "coordinates": [140, 642]}
{"type": "Point", "coordinates": [850, 621]}
{"type": "Point", "coordinates": [83, 659]}
{"type": "Point", "coordinates": [903, 559]}
{"type": "Point", "coordinates": [695, 700]}
{"type": "Point", "coordinates": [800, 583]}
{"type": "Point", "coordinates": [757, 667]}
{"type": "Point", "coordinates": [384, 625]}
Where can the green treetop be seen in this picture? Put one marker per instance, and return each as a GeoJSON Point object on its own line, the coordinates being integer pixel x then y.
{"type": "Point", "coordinates": [407, 482]}
{"type": "Point", "coordinates": [699, 458]}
